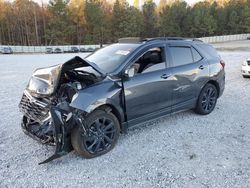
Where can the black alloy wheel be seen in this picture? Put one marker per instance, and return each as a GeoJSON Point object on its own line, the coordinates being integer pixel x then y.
{"type": "Point", "coordinates": [103, 131]}
{"type": "Point", "coordinates": [101, 135]}
{"type": "Point", "coordinates": [207, 100]}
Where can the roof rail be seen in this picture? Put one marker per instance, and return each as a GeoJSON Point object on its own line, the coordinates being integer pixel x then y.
{"type": "Point", "coordinates": [130, 39]}
{"type": "Point", "coordinates": [198, 40]}
{"type": "Point", "coordinates": [138, 39]}
{"type": "Point", "coordinates": [172, 38]}
{"type": "Point", "coordinates": [163, 38]}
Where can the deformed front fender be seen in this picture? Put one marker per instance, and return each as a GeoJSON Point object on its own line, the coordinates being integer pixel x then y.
{"type": "Point", "coordinates": [105, 93]}
{"type": "Point", "coordinates": [87, 100]}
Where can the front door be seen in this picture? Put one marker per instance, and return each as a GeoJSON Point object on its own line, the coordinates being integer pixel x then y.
{"type": "Point", "coordinates": [148, 93]}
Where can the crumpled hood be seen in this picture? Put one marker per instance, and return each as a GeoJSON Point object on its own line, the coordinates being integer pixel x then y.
{"type": "Point", "coordinates": [78, 62]}
{"type": "Point", "coordinates": [45, 81]}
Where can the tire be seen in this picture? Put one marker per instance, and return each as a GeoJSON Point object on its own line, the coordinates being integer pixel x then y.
{"type": "Point", "coordinates": [244, 76]}
{"type": "Point", "coordinates": [207, 100]}
{"type": "Point", "coordinates": [98, 141]}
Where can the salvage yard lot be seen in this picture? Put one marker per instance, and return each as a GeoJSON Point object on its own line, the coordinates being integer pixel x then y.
{"type": "Point", "coordinates": [183, 150]}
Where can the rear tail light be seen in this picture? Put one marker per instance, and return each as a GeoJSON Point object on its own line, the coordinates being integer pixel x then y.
{"type": "Point", "coordinates": [244, 63]}
{"type": "Point", "coordinates": [222, 63]}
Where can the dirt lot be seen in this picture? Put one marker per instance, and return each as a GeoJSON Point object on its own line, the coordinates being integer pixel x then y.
{"type": "Point", "coordinates": [184, 150]}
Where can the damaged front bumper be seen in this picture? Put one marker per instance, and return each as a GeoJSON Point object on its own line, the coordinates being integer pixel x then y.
{"type": "Point", "coordinates": [45, 104]}
{"type": "Point", "coordinates": [62, 139]}
{"type": "Point", "coordinates": [56, 126]}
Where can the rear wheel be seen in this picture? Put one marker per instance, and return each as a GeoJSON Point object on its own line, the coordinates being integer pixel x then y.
{"type": "Point", "coordinates": [103, 131]}
{"type": "Point", "coordinates": [207, 100]}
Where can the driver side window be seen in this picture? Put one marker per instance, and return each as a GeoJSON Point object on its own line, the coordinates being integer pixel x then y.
{"type": "Point", "coordinates": [151, 60]}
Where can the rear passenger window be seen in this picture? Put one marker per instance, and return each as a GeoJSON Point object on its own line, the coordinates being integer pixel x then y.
{"type": "Point", "coordinates": [181, 55]}
{"type": "Point", "coordinates": [196, 55]}
{"type": "Point", "coordinates": [210, 50]}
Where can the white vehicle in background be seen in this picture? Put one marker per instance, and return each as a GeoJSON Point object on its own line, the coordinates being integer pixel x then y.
{"type": "Point", "coordinates": [245, 70]}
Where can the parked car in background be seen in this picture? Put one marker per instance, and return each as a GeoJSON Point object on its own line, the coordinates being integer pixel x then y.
{"type": "Point", "coordinates": [83, 50]}
{"type": "Point", "coordinates": [245, 70]}
{"type": "Point", "coordinates": [48, 50]}
{"type": "Point", "coordinates": [86, 103]}
{"type": "Point", "coordinates": [57, 50]}
{"type": "Point", "coordinates": [74, 49]}
{"type": "Point", "coordinates": [96, 49]}
{"type": "Point", "coordinates": [90, 49]}
{"type": "Point", "coordinates": [7, 50]}
{"type": "Point", "coordinates": [248, 38]}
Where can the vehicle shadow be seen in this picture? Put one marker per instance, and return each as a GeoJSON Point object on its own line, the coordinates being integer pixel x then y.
{"type": "Point", "coordinates": [158, 123]}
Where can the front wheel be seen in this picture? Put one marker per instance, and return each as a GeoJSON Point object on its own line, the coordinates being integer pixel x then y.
{"type": "Point", "coordinates": [207, 100]}
{"type": "Point", "coordinates": [103, 131]}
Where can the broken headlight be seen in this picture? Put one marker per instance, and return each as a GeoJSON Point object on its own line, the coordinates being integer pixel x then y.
{"type": "Point", "coordinates": [44, 81]}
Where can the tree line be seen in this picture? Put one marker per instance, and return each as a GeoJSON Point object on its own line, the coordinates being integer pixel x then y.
{"type": "Point", "coordinates": [61, 22]}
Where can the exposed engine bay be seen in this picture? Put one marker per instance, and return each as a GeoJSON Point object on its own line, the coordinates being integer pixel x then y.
{"type": "Point", "coordinates": [47, 115]}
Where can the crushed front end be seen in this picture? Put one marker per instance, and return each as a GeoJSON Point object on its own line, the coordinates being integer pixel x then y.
{"type": "Point", "coordinates": [45, 104]}
{"type": "Point", "coordinates": [48, 122]}
{"type": "Point", "coordinates": [37, 120]}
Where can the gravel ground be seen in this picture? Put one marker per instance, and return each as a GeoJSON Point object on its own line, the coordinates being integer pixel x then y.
{"type": "Point", "coordinates": [183, 150]}
{"type": "Point", "coordinates": [240, 45]}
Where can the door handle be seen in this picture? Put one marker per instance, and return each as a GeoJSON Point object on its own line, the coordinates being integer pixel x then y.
{"type": "Point", "coordinates": [201, 67]}
{"type": "Point", "coordinates": [165, 76]}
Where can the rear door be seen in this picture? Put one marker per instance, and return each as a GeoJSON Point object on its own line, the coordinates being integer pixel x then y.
{"type": "Point", "coordinates": [190, 71]}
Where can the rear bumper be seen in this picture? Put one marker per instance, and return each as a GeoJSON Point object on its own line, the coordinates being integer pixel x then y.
{"type": "Point", "coordinates": [245, 70]}
{"type": "Point", "coordinates": [222, 81]}
{"type": "Point", "coordinates": [222, 90]}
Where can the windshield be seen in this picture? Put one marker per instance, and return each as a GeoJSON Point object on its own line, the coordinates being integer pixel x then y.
{"type": "Point", "coordinates": [111, 57]}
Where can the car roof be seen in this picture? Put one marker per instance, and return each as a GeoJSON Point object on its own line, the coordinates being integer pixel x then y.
{"type": "Point", "coordinates": [158, 39]}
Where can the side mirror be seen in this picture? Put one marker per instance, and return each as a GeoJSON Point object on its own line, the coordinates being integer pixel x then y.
{"type": "Point", "coordinates": [130, 72]}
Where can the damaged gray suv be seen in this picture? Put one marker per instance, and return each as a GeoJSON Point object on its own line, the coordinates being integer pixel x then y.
{"type": "Point", "coordinates": [84, 104]}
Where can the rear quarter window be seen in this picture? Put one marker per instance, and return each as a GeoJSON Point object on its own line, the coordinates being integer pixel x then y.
{"type": "Point", "coordinates": [196, 55]}
{"type": "Point", "coordinates": [210, 50]}
{"type": "Point", "coordinates": [181, 55]}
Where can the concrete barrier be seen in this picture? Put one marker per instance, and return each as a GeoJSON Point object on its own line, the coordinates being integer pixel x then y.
{"type": "Point", "coordinates": [42, 49]}
{"type": "Point", "coordinates": [225, 38]}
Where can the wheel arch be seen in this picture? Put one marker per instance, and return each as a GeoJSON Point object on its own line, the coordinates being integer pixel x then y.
{"type": "Point", "coordinates": [111, 108]}
{"type": "Point", "coordinates": [216, 84]}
